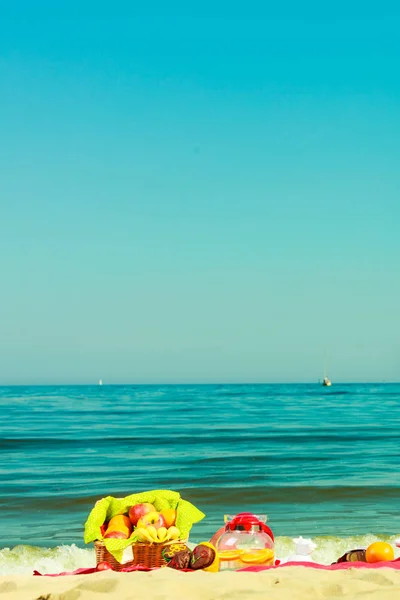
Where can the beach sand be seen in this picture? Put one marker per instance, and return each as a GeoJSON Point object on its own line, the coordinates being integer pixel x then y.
{"type": "Point", "coordinates": [291, 583]}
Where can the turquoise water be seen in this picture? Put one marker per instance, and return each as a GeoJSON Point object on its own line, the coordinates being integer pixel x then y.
{"type": "Point", "coordinates": [319, 461]}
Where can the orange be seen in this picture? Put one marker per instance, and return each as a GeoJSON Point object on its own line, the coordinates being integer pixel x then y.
{"type": "Point", "coordinates": [120, 520]}
{"type": "Point", "coordinates": [258, 557]}
{"type": "Point", "coordinates": [230, 554]}
{"type": "Point", "coordinates": [169, 515]}
{"type": "Point", "coordinates": [379, 551]}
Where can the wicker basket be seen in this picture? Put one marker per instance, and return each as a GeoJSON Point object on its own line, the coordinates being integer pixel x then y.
{"type": "Point", "coordinates": [149, 555]}
{"type": "Point", "coordinates": [144, 554]}
{"type": "Point", "coordinates": [102, 554]}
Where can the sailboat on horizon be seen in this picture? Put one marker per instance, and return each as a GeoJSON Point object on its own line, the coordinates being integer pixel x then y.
{"type": "Point", "coordinates": [326, 382]}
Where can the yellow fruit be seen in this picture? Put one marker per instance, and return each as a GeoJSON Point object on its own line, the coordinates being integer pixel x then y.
{"type": "Point", "coordinates": [152, 518]}
{"type": "Point", "coordinates": [143, 535]}
{"type": "Point", "coordinates": [214, 567]}
{"type": "Point", "coordinates": [120, 520]}
{"type": "Point", "coordinates": [152, 531]}
{"type": "Point", "coordinates": [169, 515]}
{"type": "Point", "coordinates": [258, 557]}
{"type": "Point", "coordinates": [379, 551]}
{"type": "Point", "coordinates": [162, 533]}
{"type": "Point", "coordinates": [230, 554]}
{"type": "Point", "coordinates": [173, 533]}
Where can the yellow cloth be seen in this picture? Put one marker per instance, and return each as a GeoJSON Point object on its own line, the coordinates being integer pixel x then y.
{"type": "Point", "coordinates": [106, 508]}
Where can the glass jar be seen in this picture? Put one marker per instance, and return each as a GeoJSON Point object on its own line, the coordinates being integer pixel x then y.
{"type": "Point", "coordinates": [246, 541]}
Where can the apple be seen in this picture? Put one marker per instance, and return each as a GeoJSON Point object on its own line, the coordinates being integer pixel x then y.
{"type": "Point", "coordinates": [153, 518]}
{"type": "Point", "coordinates": [121, 535]}
{"type": "Point", "coordinates": [104, 566]}
{"type": "Point", "coordinates": [138, 511]}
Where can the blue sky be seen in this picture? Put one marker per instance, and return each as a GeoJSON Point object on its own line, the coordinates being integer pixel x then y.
{"type": "Point", "coordinates": [200, 194]}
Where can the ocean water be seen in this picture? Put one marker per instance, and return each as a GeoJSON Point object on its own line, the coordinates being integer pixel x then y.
{"type": "Point", "coordinates": [320, 462]}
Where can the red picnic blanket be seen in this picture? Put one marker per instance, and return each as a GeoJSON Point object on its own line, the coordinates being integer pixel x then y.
{"type": "Point", "coordinates": [394, 564]}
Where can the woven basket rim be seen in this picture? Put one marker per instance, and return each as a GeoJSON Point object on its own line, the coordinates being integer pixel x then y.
{"type": "Point", "coordinates": [136, 543]}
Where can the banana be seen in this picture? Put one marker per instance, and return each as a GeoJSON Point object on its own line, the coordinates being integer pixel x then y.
{"type": "Point", "coordinates": [162, 533]}
{"type": "Point", "coordinates": [151, 534]}
{"type": "Point", "coordinates": [143, 535]}
{"type": "Point", "coordinates": [173, 533]}
{"type": "Point", "coordinates": [152, 531]}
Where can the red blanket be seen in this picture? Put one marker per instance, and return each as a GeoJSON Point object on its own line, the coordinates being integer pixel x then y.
{"type": "Point", "coordinates": [92, 570]}
{"type": "Point", "coordinates": [394, 564]}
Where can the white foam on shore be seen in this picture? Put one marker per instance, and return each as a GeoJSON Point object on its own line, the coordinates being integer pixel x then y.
{"type": "Point", "coordinates": [23, 560]}
{"type": "Point", "coordinates": [330, 548]}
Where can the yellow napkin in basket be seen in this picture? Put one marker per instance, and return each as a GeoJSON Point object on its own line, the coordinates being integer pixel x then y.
{"type": "Point", "coordinates": [104, 509]}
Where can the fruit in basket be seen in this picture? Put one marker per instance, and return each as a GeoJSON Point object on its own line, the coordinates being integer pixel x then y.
{"type": "Point", "coordinates": [119, 531]}
{"type": "Point", "coordinates": [120, 519]}
{"type": "Point", "coordinates": [154, 519]}
{"type": "Point", "coordinates": [120, 535]}
{"type": "Point", "coordinates": [118, 527]}
{"type": "Point", "coordinates": [173, 533]}
{"type": "Point", "coordinates": [152, 531]}
{"type": "Point", "coordinates": [104, 566]}
{"type": "Point", "coordinates": [143, 535]}
{"type": "Point", "coordinates": [158, 536]}
{"type": "Point", "coordinates": [137, 511]}
{"type": "Point", "coordinates": [169, 515]}
{"type": "Point", "coordinates": [162, 533]}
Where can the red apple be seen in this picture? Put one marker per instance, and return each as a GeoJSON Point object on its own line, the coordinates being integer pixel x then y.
{"type": "Point", "coordinates": [104, 566]}
{"type": "Point", "coordinates": [139, 510]}
{"type": "Point", "coordinates": [121, 535]}
{"type": "Point", "coordinates": [153, 518]}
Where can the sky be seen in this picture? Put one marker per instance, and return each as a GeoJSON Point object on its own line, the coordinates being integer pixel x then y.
{"type": "Point", "coordinates": [204, 193]}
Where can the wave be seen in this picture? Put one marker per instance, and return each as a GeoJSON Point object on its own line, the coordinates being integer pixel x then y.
{"type": "Point", "coordinates": [217, 496]}
{"type": "Point", "coordinates": [218, 435]}
{"type": "Point", "coordinates": [23, 560]}
{"type": "Point", "coordinates": [275, 494]}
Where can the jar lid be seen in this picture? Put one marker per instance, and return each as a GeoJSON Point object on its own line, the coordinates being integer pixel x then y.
{"type": "Point", "coordinates": [246, 522]}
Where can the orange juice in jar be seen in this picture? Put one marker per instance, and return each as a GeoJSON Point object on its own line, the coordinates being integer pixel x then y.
{"type": "Point", "coordinates": [246, 541]}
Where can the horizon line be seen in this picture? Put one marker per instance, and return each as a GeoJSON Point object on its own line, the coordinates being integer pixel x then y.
{"type": "Point", "coordinates": [142, 384]}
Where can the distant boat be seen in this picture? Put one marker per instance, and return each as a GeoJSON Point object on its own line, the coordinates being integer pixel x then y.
{"type": "Point", "coordinates": [326, 382]}
{"type": "Point", "coordinates": [100, 382]}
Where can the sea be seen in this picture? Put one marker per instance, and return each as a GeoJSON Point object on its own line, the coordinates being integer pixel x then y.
{"type": "Point", "coordinates": [322, 463]}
